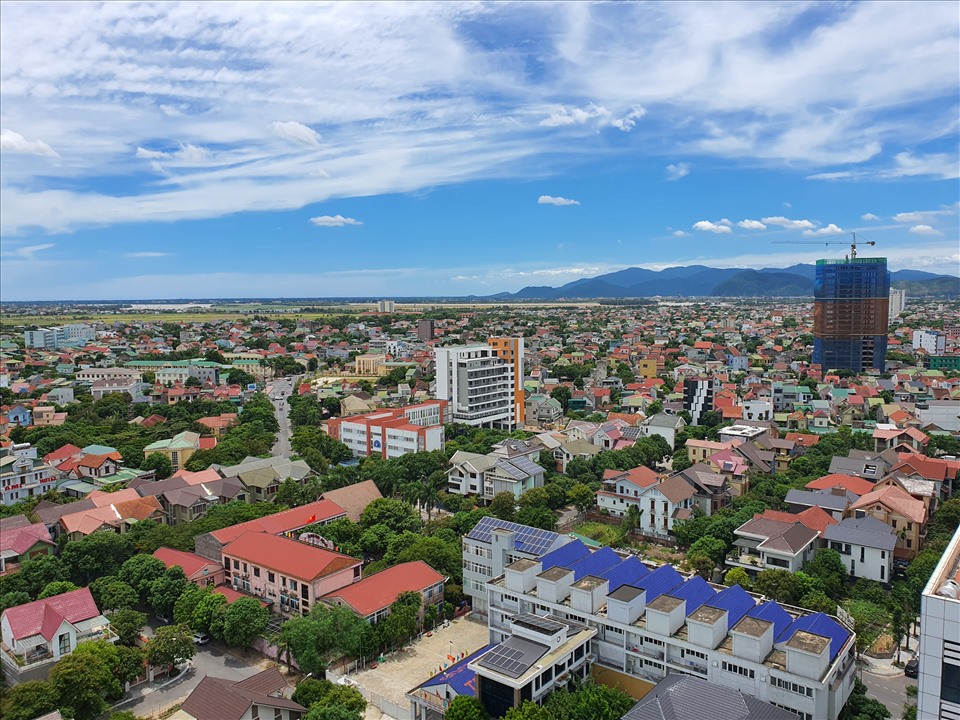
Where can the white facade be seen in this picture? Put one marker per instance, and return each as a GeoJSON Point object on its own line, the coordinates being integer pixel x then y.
{"type": "Point", "coordinates": [23, 476]}
{"type": "Point", "coordinates": [108, 373]}
{"type": "Point", "coordinates": [934, 343]}
{"type": "Point", "coordinates": [939, 691]}
{"type": "Point", "coordinates": [394, 432]}
{"type": "Point", "coordinates": [648, 633]}
{"type": "Point", "coordinates": [898, 301]}
{"type": "Point", "coordinates": [478, 384]}
{"type": "Point", "coordinates": [53, 338]}
{"type": "Point", "coordinates": [944, 414]}
{"type": "Point", "coordinates": [757, 410]}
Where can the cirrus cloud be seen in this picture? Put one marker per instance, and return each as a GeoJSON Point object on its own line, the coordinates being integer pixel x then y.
{"type": "Point", "coordinates": [14, 142]}
{"type": "Point", "coordinates": [564, 115]}
{"type": "Point", "coordinates": [558, 201]}
{"type": "Point", "coordinates": [675, 171]}
{"type": "Point", "coordinates": [297, 133]}
{"type": "Point", "coordinates": [334, 221]}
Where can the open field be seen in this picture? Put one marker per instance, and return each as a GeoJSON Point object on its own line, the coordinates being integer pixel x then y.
{"type": "Point", "coordinates": [189, 317]}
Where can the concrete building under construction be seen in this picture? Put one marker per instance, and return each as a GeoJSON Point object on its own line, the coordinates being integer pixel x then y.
{"type": "Point", "coordinates": [851, 314]}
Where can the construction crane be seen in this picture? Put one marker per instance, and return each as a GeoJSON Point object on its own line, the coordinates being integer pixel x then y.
{"type": "Point", "coordinates": [853, 243]}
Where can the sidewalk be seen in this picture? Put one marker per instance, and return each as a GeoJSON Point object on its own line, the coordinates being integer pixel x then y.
{"type": "Point", "coordinates": [884, 667]}
{"type": "Point", "coordinates": [144, 689]}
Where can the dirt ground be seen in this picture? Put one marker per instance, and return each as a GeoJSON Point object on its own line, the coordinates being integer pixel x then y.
{"type": "Point", "coordinates": [407, 668]}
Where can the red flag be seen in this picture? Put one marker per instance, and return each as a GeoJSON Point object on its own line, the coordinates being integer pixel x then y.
{"type": "Point", "coordinates": [312, 518]}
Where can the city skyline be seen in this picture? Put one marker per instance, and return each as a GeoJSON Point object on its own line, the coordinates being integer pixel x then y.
{"type": "Point", "coordinates": [218, 150]}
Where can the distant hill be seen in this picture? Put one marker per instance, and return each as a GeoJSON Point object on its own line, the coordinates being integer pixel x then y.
{"type": "Point", "coordinates": [703, 281]}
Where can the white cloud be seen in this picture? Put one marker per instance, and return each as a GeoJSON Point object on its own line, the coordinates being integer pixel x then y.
{"type": "Point", "coordinates": [677, 171]}
{"type": "Point", "coordinates": [925, 230]}
{"type": "Point", "coordinates": [830, 229]}
{"type": "Point", "coordinates": [869, 217]}
{"type": "Point", "coordinates": [13, 142]}
{"type": "Point", "coordinates": [565, 115]}
{"type": "Point", "coordinates": [28, 252]}
{"type": "Point", "coordinates": [188, 154]}
{"type": "Point", "coordinates": [938, 165]}
{"type": "Point", "coordinates": [751, 225]}
{"type": "Point", "coordinates": [297, 133]}
{"type": "Point", "coordinates": [722, 227]}
{"type": "Point", "coordinates": [146, 254]}
{"type": "Point", "coordinates": [558, 201]}
{"type": "Point", "coordinates": [629, 121]}
{"type": "Point", "coordinates": [789, 224]}
{"type": "Point", "coordinates": [680, 233]}
{"type": "Point", "coordinates": [924, 216]}
{"type": "Point", "coordinates": [333, 221]}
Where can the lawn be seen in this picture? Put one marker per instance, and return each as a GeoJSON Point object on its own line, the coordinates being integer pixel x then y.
{"type": "Point", "coordinates": [605, 534]}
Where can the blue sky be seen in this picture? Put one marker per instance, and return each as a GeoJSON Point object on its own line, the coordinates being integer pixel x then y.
{"type": "Point", "coordinates": [253, 150]}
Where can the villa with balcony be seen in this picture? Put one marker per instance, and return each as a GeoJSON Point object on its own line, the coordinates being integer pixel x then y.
{"type": "Point", "coordinates": [764, 543]}
{"type": "Point", "coordinates": [39, 633]}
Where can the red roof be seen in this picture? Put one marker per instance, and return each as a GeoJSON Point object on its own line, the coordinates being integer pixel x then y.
{"type": "Point", "coordinates": [44, 617]}
{"type": "Point", "coordinates": [802, 439]}
{"type": "Point", "coordinates": [856, 485]}
{"type": "Point", "coordinates": [814, 518]}
{"type": "Point", "coordinates": [232, 595]}
{"type": "Point", "coordinates": [191, 563]}
{"type": "Point", "coordinates": [321, 511]}
{"type": "Point", "coordinates": [21, 536]}
{"type": "Point", "coordinates": [381, 589]}
{"type": "Point", "coordinates": [62, 453]}
{"type": "Point", "coordinates": [207, 443]}
{"type": "Point", "coordinates": [288, 557]}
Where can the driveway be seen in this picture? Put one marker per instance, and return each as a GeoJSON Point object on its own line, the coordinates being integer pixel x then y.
{"type": "Point", "coordinates": [279, 392]}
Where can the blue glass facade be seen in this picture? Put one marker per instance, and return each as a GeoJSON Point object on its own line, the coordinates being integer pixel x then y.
{"type": "Point", "coordinates": [851, 301]}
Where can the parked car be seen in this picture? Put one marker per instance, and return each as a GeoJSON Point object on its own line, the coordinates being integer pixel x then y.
{"type": "Point", "coordinates": [912, 668]}
{"type": "Point", "coordinates": [201, 638]}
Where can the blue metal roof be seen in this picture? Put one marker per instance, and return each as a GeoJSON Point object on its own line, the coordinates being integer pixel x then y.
{"type": "Point", "coordinates": [528, 539]}
{"type": "Point", "coordinates": [664, 579]}
{"type": "Point", "coordinates": [695, 592]}
{"type": "Point", "coordinates": [819, 624]}
{"type": "Point", "coordinates": [595, 563]}
{"type": "Point", "coordinates": [735, 601]}
{"type": "Point", "coordinates": [458, 676]}
{"type": "Point", "coordinates": [626, 573]}
{"type": "Point", "coordinates": [564, 556]}
{"type": "Point", "coordinates": [772, 612]}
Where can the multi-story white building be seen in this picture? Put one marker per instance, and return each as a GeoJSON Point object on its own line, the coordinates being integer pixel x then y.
{"type": "Point", "coordinates": [53, 338]}
{"type": "Point", "coordinates": [935, 343]}
{"type": "Point", "coordinates": [898, 301]}
{"type": "Point", "coordinates": [653, 622]}
{"type": "Point", "coordinates": [492, 545]}
{"type": "Point", "coordinates": [939, 691]}
{"type": "Point", "coordinates": [391, 433]}
{"type": "Point", "coordinates": [511, 467]}
{"type": "Point", "coordinates": [481, 384]}
{"type": "Point", "coordinates": [865, 545]}
{"type": "Point", "coordinates": [23, 475]}
{"type": "Point", "coordinates": [697, 397]}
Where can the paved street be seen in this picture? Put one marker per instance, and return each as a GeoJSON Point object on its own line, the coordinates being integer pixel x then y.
{"type": "Point", "coordinates": [891, 691]}
{"type": "Point", "coordinates": [279, 392]}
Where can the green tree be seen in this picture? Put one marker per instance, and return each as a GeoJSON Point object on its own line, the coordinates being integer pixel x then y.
{"type": "Point", "coordinates": [37, 573]}
{"type": "Point", "coordinates": [82, 683]}
{"type": "Point", "coordinates": [331, 712]}
{"type": "Point", "coordinates": [582, 497]}
{"type": "Point", "coordinates": [394, 514]}
{"type": "Point", "coordinates": [869, 620]}
{"type": "Point", "coordinates": [57, 587]}
{"type": "Point", "coordinates": [828, 569]}
{"type": "Point", "coordinates": [714, 548]}
{"type": "Point", "coordinates": [13, 599]}
{"type": "Point", "coordinates": [818, 601]}
{"type": "Point", "coordinates": [465, 707]}
{"type": "Point", "coordinates": [159, 463]}
{"type": "Point", "coordinates": [780, 585]}
{"type": "Point", "coordinates": [29, 700]}
{"type": "Point", "coordinates": [170, 646]}
{"type": "Point", "coordinates": [100, 553]}
{"type": "Point", "coordinates": [166, 589]}
{"type": "Point", "coordinates": [346, 697]}
{"type": "Point", "coordinates": [304, 639]}
{"type": "Point", "coordinates": [110, 593]}
{"type": "Point", "coordinates": [127, 624]}
{"type": "Point", "coordinates": [503, 506]}
{"type": "Point", "coordinates": [562, 395]}
{"type": "Point", "coordinates": [243, 621]}
{"type": "Point", "coordinates": [737, 576]}
{"type": "Point", "coordinates": [310, 691]}
{"type": "Point", "coordinates": [107, 654]}
{"type": "Point", "coordinates": [208, 613]}
{"type": "Point", "coordinates": [541, 517]}
{"type": "Point", "coordinates": [185, 605]}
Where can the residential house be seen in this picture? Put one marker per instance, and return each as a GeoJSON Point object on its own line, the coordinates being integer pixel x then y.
{"type": "Point", "coordinates": [711, 488]}
{"type": "Point", "coordinates": [866, 547]}
{"type": "Point", "coordinates": [47, 416]}
{"type": "Point", "coordinates": [371, 597]}
{"type": "Point", "coordinates": [23, 475]}
{"type": "Point", "coordinates": [664, 425]}
{"type": "Point", "coordinates": [259, 697]}
{"type": "Point", "coordinates": [835, 501]}
{"type": "Point", "coordinates": [766, 543]}
{"type": "Point", "coordinates": [288, 573]}
{"type": "Point", "coordinates": [219, 424]}
{"type": "Point", "coordinates": [869, 466]}
{"type": "Point", "coordinates": [118, 516]}
{"type": "Point", "coordinates": [487, 475]}
{"type": "Point", "coordinates": [905, 514]}
{"type": "Point", "coordinates": [542, 410]}
{"type": "Point", "coordinates": [354, 498]}
{"type": "Point", "coordinates": [622, 489]}
{"type": "Point", "coordinates": [178, 449]}
{"type": "Point", "coordinates": [263, 476]}
{"type": "Point", "coordinates": [39, 633]}
{"type": "Point", "coordinates": [287, 522]}
{"type": "Point", "coordinates": [184, 501]}
{"type": "Point", "coordinates": [886, 438]}
{"type": "Point", "coordinates": [702, 699]}
{"type": "Point", "coordinates": [199, 570]}
{"type": "Point", "coordinates": [699, 451]}
{"type": "Point", "coordinates": [22, 540]}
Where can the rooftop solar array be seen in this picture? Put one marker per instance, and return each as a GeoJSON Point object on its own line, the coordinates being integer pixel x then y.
{"type": "Point", "coordinates": [458, 676]}
{"type": "Point", "coordinates": [564, 556]}
{"type": "Point", "coordinates": [695, 592]}
{"type": "Point", "coordinates": [772, 612]}
{"type": "Point", "coordinates": [530, 540]}
{"type": "Point", "coordinates": [819, 624]}
{"type": "Point", "coordinates": [595, 563]}
{"type": "Point", "coordinates": [538, 623]}
{"type": "Point", "coordinates": [664, 579]}
{"type": "Point", "coordinates": [735, 601]}
{"type": "Point", "coordinates": [626, 573]}
{"type": "Point", "coordinates": [513, 657]}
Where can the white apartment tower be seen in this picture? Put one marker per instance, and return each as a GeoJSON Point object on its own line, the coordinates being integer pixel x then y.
{"type": "Point", "coordinates": [898, 301]}
{"type": "Point", "coordinates": [933, 342]}
{"type": "Point", "coordinates": [939, 690]}
{"type": "Point", "coordinates": [480, 384]}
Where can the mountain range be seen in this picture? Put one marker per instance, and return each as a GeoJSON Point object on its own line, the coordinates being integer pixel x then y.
{"type": "Point", "coordinates": [703, 281]}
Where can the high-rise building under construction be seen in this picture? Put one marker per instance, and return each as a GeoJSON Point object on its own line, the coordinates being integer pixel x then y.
{"type": "Point", "coordinates": [850, 314]}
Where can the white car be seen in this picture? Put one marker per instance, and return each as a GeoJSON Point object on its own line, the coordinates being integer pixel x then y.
{"type": "Point", "coordinates": [201, 638]}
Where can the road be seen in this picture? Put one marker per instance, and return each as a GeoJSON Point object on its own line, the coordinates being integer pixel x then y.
{"type": "Point", "coordinates": [279, 392]}
{"type": "Point", "coordinates": [891, 691]}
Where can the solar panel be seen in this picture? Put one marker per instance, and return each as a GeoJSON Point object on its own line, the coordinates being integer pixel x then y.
{"type": "Point", "coordinates": [535, 622]}
{"type": "Point", "coordinates": [531, 540]}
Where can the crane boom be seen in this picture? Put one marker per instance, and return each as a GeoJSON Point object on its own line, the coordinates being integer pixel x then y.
{"type": "Point", "coordinates": [853, 243]}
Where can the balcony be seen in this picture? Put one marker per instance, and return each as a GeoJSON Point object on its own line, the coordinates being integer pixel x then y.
{"type": "Point", "coordinates": [746, 560]}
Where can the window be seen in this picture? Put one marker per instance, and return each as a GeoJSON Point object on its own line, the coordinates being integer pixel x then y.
{"type": "Point", "coordinates": [256, 572]}
{"type": "Point", "coordinates": [791, 686]}
{"type": "Point", "coordinates": [255, 712]}
{"type": "Point", "coordinates": [236, 564]}
{"type": "Point", "coordinates": [64, 641]}
{"type": "Point", "coordinates": [277, 714]}
{"type": "Point", "coordinates": [271, 577]}
{"type": "Point", "coordinates": [745, 672]}
{"type": "Point", "coordinates": [863, 552]}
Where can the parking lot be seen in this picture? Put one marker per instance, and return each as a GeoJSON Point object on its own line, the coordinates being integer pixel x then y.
{"type": "Point", "coordinates": [407, 668]}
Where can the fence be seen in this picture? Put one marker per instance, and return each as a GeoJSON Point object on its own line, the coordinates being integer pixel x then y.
{"type": "Point", "coordinates": [386, 706]}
